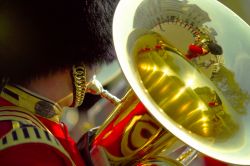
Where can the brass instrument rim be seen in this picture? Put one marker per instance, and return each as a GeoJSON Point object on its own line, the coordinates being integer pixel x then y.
{"type": "Point", "coordinates": [122, 28]}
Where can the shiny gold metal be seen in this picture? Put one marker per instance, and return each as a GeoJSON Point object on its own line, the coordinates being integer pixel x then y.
{"type": "Point", "coordinates": [158, 161]}
{"type": "Point", "coordinates": [140, 137]}
{"type": "Point", "coordinates": [180, 91]}
{"type": "Point", "coordinates": [79, 77]}
{"type": "Point", "coordinates": [204, 102]}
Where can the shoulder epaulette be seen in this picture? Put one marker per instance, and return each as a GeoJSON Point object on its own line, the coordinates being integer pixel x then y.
{"type": "Point", "coordinates": [31, 135]}
{"type": "Point", "coordinates": [30, 130]}
{"type": "Point", "coordinates": [14, 113]}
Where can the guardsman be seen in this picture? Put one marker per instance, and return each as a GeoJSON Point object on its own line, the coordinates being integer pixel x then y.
{"type": "Point", "coordinates": [202, 46]}
{"type": "Point", "coordinates": [46, 48]}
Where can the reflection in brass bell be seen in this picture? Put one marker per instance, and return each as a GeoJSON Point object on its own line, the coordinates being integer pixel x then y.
{"type": "Point", "coordinates": [196, 94]}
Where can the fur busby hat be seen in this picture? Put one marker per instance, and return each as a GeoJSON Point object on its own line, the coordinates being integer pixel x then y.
{"type": "Point", "coordinates": [38, 37]}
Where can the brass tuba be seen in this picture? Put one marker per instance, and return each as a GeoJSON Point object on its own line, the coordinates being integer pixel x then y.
{"type": "Point", "coordinates": [187, 63]}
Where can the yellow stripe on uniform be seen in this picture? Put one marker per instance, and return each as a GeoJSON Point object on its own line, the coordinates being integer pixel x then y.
{"type": "Point", "coordinates": [20, 114]}
{"type": "Point", "coordinates": [37, 133]}
{"type": "Point", "coordinates": [32, 135]}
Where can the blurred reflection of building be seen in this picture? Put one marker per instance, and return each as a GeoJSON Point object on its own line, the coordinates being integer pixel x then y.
{"type": "Point", "coordinates": [172, 11]}
{"type": "Point", "coordinates": [99, 110]}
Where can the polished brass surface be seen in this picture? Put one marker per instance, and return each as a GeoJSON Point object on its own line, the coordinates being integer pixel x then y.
{"type": "Point", "coordinates": [158, 161]}
{"type": "Point", "coordinates": [203, 101]}
{"type": "Point", "coordinates": [181, 91]}
{"type": "Point", "coordinates": [140, 138]}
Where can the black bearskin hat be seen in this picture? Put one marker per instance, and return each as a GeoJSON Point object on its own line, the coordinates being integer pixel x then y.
{"type": "Point", "coordinates": [38, 37]}
{"type": "Point", "coordinates": [215, 49]}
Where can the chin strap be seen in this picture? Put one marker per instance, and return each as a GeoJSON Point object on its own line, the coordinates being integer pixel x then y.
{"type": "Point", "coordinates": [79, 77]}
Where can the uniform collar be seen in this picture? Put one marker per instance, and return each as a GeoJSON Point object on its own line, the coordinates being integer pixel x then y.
{"type": "Point", "coordinates": [32, 102]}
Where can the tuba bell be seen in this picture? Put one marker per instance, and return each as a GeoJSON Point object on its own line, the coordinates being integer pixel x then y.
{"type": "Point", "coordinates": [187, 63]}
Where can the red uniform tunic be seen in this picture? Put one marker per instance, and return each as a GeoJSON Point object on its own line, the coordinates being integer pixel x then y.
{"type": "Point", "coordinates": [195, 51]}
{"type": "Point", "coordinates": [53, 147]}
